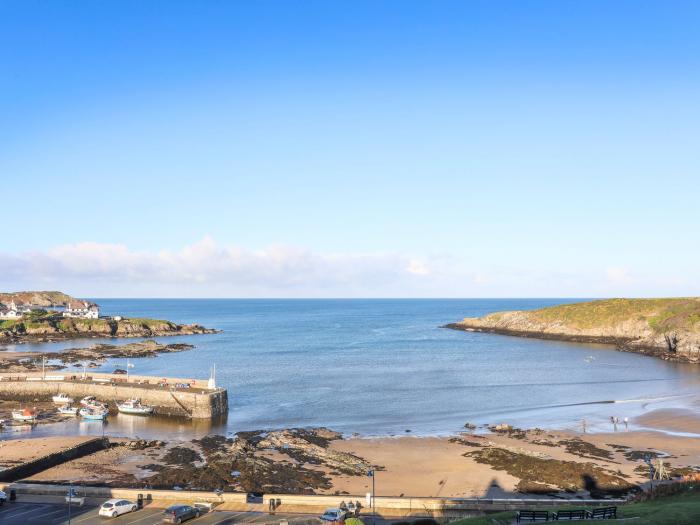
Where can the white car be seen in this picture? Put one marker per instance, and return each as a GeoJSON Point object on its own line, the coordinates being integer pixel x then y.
{"type": "Point", "coordinates": [3, 497]}
{"type": "Point", "coordinates": [334, 515]}
{"type": "Point", "coordinates": [116, 507]}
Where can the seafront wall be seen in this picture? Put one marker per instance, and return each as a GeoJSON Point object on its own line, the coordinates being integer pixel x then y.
{"type": "Point", "coordinates": [162, 394]}
{"type": "Point", "coordinates": [312, 504]}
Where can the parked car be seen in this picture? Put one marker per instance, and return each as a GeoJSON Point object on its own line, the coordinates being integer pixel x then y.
{"type": "Point", "coordinates": [180, 513]}
{"type": "Point", "coordinates": [73, 498]}
{"type": "Point", "coordinates": [3, 497]}
{"type": "Point", "coordinates": [334, 515]}
{"type": "Point", "coordinates": [116, 507]}
{"type": "Point", "coordinates": [119, 371]}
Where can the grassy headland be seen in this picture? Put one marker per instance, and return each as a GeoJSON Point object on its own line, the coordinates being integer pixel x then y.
{"type": "Point", "coordinates": [668, 328]}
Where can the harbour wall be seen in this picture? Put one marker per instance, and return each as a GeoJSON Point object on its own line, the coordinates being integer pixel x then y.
{"type": "Point", "coordinates": [163, 394]}
{"type": "Point", "coordinates": [311, 504]}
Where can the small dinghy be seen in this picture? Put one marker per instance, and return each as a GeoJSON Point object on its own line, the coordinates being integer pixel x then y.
{"type": "Point", "coordinates": [93, 414]}
{"type": "Point", "coordinates": [24, 414]}
{"type": "Point", "coordinates": [68, 410]}
{"type": "Point", "coordinates": [134, 406]}
{"type": "Point", "coordinates": [62, 399]}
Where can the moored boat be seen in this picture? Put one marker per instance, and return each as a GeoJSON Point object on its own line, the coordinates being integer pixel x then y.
{"type": "Point", "coordinates": [68, 410]}
{"type": "Point", "coordinates": [88, 400]}
{"type": "Point", "coordinates": [134, 406]}
{"type": "Point", "coordinates": [92, 403]}
{"type": "Point", "coordinates": [24, 414]}
{"type": "Point", "coordinates": [62, 399]}
{"type": "Point", "coordinates": [93, 414]}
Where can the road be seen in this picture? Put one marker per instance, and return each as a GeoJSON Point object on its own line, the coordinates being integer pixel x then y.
{"type": "Point", "coordinates": [22, 513]}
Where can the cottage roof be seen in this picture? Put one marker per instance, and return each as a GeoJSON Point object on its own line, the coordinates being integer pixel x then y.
{"type": "Point", "coordinates": [79, 305]}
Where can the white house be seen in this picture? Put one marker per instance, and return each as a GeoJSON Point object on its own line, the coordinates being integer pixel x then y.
{"type": "Point", "coordinates": [14, 310]}
{"type": "Point", "coordinates": [82, 309]}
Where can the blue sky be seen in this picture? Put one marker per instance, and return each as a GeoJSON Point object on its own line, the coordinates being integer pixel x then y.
{"type": "Point", "coordinates": [332, 149]}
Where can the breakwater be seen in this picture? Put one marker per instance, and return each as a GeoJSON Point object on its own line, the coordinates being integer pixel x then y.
{"type": "Point", "coordinates": [168, 396]}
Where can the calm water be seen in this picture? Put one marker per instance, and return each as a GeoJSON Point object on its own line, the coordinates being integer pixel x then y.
{"type": "Point", "coordinates": [381, 367]}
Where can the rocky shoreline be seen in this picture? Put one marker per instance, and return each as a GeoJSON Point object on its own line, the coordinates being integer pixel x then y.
{"type": "Point", "coordinates": [621, 344]}
{"type": "Point", "coordinates": [56, 328]}
{"type": "Point", "coordinates": [93, 356]}
{"type": "Point", "coordinates": [505, 462]}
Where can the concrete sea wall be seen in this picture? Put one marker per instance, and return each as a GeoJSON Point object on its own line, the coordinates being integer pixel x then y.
{"type": "Point", "coordinates": [161, 393]}
{"type": "Point", "coordinates": [313, 504]}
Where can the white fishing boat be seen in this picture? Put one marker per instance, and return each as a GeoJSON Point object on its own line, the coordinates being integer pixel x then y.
{"type": "Point", "coordinates": [88, 400]}
{"type": "Point", "coordinates": [62, 399]}
{"type": "Point", "coordinates": [24, 414]}
{"type": "Point", "coordinates": [92, 403]}
{"type": "Point", "coordinates": [68, 410]}
{"type": "Point", "coordinates": [93, 414]}
{"type": "Point", "coordinates": [134, 406]}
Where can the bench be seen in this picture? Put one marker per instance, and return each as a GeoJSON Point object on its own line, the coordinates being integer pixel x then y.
{"type": "Point", "coordinates": [603, 513]}
{"type": "Point", "coordinates": [561, 515]}
{"type": "Point", "coordinates": [532, 515]}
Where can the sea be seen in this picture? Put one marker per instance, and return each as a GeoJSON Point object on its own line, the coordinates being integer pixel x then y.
{"type": "Point", "coordinates": [381, 367]}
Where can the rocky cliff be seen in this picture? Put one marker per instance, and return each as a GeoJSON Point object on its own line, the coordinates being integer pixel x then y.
{"type": "Point", "coordinates": [52, 326]}
{"type": "Point", "coordinates": [666, 328]}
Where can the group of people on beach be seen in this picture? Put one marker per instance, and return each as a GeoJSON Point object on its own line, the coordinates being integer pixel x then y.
{"type": "Point", "coordinates": [614, 420]}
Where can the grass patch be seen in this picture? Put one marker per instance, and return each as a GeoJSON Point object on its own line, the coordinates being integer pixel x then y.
{"type": "Point", "coordinates": [678, 509]}
{"type": "Point", "coordinates": [660, 314]}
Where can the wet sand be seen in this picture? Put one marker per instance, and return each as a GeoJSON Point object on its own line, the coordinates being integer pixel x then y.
{"type": "Point", "coordinates": [672, 420]}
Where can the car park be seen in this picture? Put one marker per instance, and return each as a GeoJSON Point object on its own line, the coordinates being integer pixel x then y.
{"type": "Point", "coordinates": [116, 507]}
{"type": "Point", "coordinates": [180, 513]}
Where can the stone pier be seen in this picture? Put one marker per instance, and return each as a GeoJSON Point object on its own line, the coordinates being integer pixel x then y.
{"type": "Point", "coordinates": [168, 396]}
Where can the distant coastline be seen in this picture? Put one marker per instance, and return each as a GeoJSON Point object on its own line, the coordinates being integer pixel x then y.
{"type": "Point", "coordinates": [26, 317]}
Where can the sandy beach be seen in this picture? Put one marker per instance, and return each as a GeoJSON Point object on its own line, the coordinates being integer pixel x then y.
{"type": "Point", "coordinates": [494, 464]}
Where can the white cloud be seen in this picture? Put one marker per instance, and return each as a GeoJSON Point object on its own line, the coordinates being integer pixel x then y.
{"type": "Point", "coordinates": [417, 267]}
{"type": "Point", "coordinates": [207, 269]}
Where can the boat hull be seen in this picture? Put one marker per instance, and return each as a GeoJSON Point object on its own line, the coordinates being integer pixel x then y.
{"type": "Point", "coordinates": [136, 411]}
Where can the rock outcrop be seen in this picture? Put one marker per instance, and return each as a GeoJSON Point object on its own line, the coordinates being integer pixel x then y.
{"type": "Point", "coordinates": [53, 326]}
{"type": "Point", "coordinates": [665, 328]}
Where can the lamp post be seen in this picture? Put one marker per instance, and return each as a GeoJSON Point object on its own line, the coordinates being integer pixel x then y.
{"type": "Point", "coordinates": [70, 498]}
{"type": "Point", "coordinates": [647, 460]}
{"type": "Point", "coordinates": [370, 473]}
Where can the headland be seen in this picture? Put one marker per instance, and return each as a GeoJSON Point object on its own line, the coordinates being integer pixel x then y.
{"type": "Point", "coordinates": [664, 328]}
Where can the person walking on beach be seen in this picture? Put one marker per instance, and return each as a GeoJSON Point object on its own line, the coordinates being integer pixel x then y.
{"type": "Point", "coordinates": [626, 422]}
{"type": "Point", "coordinates": [583, 424]}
